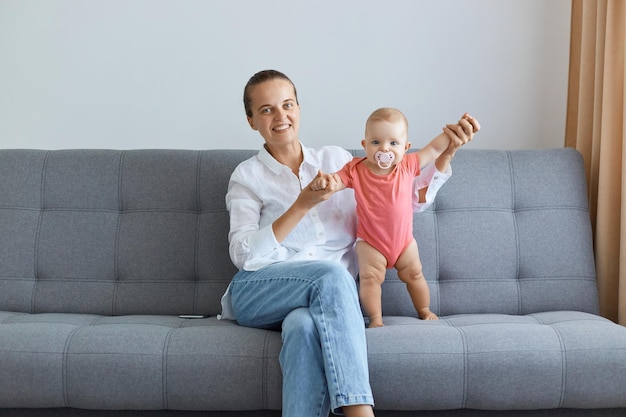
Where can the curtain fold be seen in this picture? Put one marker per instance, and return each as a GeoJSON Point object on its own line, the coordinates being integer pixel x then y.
{"type": "Point", "coordinates": [596, 111]}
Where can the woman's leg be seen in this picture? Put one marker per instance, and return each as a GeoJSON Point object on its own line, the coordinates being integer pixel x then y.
{"type": "Point", "coordinates": [304, 379]}
{"type": "Point", "coordinates": [263, 299]}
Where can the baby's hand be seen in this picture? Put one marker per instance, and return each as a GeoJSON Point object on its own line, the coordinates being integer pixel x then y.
{"type": "Point", "coordinates": [473, 123]}
{"type": "Point", "coordinates": [320, 182]}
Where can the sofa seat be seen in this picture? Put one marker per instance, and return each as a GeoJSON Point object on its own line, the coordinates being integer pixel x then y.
{"type": "Point", "coordinates": [560, 359]}
{"type": "Point", "coordinates": [136, 363]}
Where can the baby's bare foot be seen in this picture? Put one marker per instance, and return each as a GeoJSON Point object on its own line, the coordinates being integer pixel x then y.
{"type": "Point", "coordinates": [426, 314]}
{"type": "Point", "coordinates": [376, 322]}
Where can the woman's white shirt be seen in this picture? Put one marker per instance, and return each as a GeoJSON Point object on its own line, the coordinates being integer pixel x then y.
{"type": "Point", "coordinates": [432, 178]}
{"type": "Point", "coordinates": [262, 189]}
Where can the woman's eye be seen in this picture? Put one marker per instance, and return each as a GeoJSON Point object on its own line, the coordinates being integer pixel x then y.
{"type": "Point", "coordinates": [265, 110]}
{"type": "Point", "coordinates": [288, 105]}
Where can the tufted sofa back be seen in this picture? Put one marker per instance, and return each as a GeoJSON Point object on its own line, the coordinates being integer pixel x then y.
{"type": "Point", "coordinates": [145, 232]}
{"type": "Point", "coordinates": [508, 233]}
{"type": "Point", "coordinates": [114, 232]}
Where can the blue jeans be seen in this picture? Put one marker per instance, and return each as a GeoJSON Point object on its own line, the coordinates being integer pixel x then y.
{"type": "Point", "coordinates": [324, 353]}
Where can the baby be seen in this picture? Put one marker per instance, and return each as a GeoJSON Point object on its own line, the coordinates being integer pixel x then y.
{"type": "Point", "coordinates": [382, 183]}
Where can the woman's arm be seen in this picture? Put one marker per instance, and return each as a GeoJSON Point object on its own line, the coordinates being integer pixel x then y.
{"type": "Point", "coordinates": [247, 238]}
{"type": "Point", "coordinates": [307, 199]}
{"type": "Point", "coordinates": [427, 184]}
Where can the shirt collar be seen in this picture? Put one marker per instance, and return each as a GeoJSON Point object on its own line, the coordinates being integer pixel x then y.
{"type": "Point", "coordinates": [310, 158]}
{"type": "Point", "coordinates": [276, 167]}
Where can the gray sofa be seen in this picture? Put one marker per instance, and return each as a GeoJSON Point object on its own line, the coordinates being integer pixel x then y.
{"type": "Point", "coordinates": [102, 250]}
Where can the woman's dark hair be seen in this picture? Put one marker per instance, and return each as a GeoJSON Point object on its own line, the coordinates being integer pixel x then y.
{"type": "Point", "coordinates": [261, 77]}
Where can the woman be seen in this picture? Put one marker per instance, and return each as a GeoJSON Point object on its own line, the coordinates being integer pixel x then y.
{"type": "Point", "coordinates": [296, 258]}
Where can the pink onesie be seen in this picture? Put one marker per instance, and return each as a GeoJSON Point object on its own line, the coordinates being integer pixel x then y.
{"type": "Point", "coordinates": [384, 204]}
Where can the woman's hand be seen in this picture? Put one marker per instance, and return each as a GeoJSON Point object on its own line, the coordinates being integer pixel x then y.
{"type": "Point", "coordinates": [320, 189]}
{"type": "Point", "coordinates": [307, 199]}
{"type": "Point", "coordinates": [461, 133]}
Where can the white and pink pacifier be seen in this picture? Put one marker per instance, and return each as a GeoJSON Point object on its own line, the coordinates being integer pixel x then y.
{"type": "Point", "coordinates": [384, 159]}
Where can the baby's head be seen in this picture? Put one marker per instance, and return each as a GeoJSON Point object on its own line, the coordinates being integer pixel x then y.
{"type": "Point", "coordinates": [386, 137]}
{"type": "Point", "coordinates": [387, 114]}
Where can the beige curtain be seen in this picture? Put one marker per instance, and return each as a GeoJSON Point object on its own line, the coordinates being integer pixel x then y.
{"type": "Point", "coordinates": [596, 110]}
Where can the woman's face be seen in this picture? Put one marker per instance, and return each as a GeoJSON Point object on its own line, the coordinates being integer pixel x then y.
{"type": "Point", "coordinates": [275, 112]}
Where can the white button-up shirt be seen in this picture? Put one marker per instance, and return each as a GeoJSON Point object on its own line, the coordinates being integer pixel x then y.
{"type": "Point", "coordinates": [261, 190]}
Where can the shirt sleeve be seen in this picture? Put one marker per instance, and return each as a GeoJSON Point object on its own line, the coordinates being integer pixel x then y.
{"type": "Point", "coordinates": [432, 178]}
{"type": "Point", "coordinates": [345, 173]}
{"type": "Point", "coordinates": [247, 240]}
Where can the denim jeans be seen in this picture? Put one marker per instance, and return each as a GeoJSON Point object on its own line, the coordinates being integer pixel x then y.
{"type": "Point", "coordinates": [324, 353]}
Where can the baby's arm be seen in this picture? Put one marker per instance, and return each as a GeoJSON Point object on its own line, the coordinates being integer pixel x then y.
{"type": "Point", "coordinates": [443, 147]}
{"type": "Point", "coordinates": [433, 149]}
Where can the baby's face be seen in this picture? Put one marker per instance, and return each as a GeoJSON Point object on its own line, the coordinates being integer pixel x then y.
{"type": "Point", "coordinates": [385, 144]}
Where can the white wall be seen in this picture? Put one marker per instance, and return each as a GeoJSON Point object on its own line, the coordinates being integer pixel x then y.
{"type": "Point", "coordinates": [170, 74]}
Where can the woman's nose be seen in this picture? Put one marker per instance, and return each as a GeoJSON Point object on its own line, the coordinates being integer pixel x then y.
{"type": "Point", "coordinates": [280, 113]}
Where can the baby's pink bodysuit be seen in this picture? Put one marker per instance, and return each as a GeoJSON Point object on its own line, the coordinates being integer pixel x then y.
{"type": "Point", "coordinates": [384, 204]}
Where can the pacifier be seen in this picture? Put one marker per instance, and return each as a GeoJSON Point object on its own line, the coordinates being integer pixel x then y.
{"type": "Point", "coordinates": [384, 159]}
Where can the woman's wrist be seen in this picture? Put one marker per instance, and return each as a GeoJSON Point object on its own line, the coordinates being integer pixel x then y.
{"type": "Point", "coordinates": [289, 220]}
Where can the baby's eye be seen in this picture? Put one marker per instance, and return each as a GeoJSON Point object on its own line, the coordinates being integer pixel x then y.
{"type": "Point", "coordinates": [394, 143]}
{"type": "Point", "coordinates": [375, 142]}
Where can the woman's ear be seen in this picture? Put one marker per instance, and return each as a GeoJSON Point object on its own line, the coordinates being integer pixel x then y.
{"type": "Point", "coordinates": [251, 122]}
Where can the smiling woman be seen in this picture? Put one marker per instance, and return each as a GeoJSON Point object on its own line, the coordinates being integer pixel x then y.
{"type": "Point", "coordinates": [294, 247]}
{"type": "Point", "coordinates": [295, 258]}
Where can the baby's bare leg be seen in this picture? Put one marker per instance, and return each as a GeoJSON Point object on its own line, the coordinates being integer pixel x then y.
{"type": "Point", "coordinates": [409, 268]}
{"type": "Point", "coordinates": [372, 268]}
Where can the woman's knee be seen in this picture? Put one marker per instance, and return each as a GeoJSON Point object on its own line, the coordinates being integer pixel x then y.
{"type": "Point", "coordinates": [298, 321]}
{"type": "Point", "coordinates": [336, 290]}
{"type": "Point", "coordinates": [335, 275]}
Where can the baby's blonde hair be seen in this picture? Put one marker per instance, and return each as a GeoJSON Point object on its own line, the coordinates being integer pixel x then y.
{"type": "Point", "coordinates": [387, 114]}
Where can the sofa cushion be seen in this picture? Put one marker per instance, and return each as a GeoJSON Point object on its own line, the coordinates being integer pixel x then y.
{"type": "Point", "coordinates": [136, 363]}
{"type": "Point", "coordinates": [545, 360]}
{"type": "Point", "coordinates": [560, 359]}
